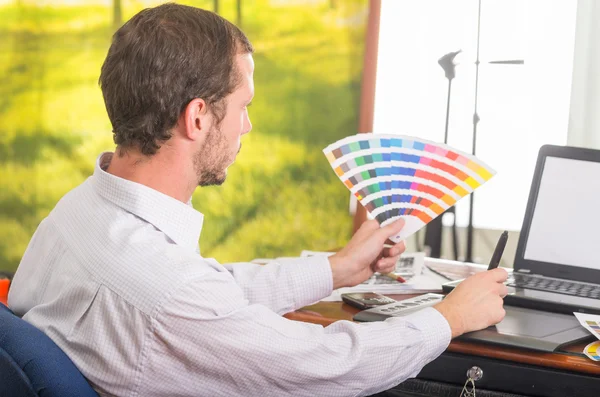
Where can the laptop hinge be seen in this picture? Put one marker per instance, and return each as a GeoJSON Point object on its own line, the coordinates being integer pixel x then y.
{"type": "Point", "coordinates": [526, 271]}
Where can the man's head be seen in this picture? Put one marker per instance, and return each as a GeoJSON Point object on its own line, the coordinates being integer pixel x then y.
{"type": "Point", "coordinates": [180, 77]}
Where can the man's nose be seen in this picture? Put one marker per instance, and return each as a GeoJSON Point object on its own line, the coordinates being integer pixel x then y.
{"type": "Point", "coordinates": [247, 126]}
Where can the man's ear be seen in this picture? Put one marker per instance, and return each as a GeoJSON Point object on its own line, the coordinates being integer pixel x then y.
{"type": "Point", "coordinates": [196, 119]}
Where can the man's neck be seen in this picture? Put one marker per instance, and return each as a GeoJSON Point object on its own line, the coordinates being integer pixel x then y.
{"type": "Point", "coordinates": [162, 172]}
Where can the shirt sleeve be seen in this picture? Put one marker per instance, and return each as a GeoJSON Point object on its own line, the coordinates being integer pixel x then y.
{"type": "Point", "coordinates": [285, 284]}
{"type": "Point", "coordinates": [210, 340]}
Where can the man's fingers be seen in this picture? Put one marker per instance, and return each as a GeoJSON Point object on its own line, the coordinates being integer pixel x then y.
{"type": "Point", "coordinates": [392, 229]}
{"type": "Point", "coordinates": [386, 251]}
{"type": "Point", "coordinates": [499, 275]}
{"type": "Point", "coordinates": [394, 249]}
{"type": "Point", "coordinates": [386, 265]}
{"type": "Point", "coordinates": [368, 227]}
{"type": "Point", "coordinates": [397, 249]}
{"type": "Point", "coordinates": [371, 226]}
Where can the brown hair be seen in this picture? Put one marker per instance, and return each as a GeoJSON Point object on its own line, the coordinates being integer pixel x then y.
{"type": "Point", "coordinates": [158, 62]}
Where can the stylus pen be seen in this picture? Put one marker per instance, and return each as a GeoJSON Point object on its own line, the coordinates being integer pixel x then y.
{"type": "Point", "coordinates": [495, 261]}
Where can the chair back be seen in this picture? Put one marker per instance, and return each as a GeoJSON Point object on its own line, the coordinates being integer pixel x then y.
{"type": "Point", "coordinates": [31, 364]}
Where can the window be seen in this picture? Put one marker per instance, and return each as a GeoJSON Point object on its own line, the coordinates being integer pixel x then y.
{"type": "Point", "coordinates": [521, 107]}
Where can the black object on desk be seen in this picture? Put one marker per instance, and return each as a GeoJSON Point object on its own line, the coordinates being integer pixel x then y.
{"type": "Point", "coordinates": [366, 300]}
{"type": "Point", "coordinates": [532, 329]}
{"type": "Point", "coordinates": [498, 251]}
{"type": "Point", "coordinates": [521, 327]}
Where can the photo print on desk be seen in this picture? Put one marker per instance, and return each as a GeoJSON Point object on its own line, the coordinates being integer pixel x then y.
{"type": "Point", "coordinates": [593, 351]}
{"type": "Point", "coordinates": [396, 176]}
{"type": "Point", "coordinates": [591, 322]}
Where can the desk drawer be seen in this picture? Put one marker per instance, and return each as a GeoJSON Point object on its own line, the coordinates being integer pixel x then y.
{"type": "Point", "coordinates": [429, 388]}
{"type": "Point", "coordinates": [511, 377]}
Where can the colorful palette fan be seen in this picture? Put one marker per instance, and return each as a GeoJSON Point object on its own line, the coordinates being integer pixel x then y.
{"type": "Point", "coordinates": [397, 176]}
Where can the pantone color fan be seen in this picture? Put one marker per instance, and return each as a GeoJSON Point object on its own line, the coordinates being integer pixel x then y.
{"type": "Point", "coordinates": [397, 176]}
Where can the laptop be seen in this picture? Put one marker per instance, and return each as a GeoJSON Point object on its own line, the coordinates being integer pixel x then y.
{"type": "Point", "coordinates": [557, 263]}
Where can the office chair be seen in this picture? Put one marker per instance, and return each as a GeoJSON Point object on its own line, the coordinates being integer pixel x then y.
{"type": "Point", "coordinates": [32, 365]}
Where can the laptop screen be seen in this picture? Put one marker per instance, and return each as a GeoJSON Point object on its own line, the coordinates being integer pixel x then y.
{"type": "Point", "coordinates": [565, 227]}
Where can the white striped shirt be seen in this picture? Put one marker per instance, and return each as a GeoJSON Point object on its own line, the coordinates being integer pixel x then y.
{"type": "Point", "coordinates": [115, 277]}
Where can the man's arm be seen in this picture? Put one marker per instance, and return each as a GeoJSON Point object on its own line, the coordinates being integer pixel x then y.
{"type": "Point", "coordinates": [209, 340]}
{"type": "Point", "coordinates": [208, 337]}
{"type": "Point", "coordinates": [289, 284]}
{"type": "Point", "coordinates": [286, 284]}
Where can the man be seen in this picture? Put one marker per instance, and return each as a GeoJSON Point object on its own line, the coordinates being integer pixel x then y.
{"type": "Point", "coordinates": [115, 277]}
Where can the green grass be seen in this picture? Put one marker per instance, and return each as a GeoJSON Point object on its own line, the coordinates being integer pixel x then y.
{"type": "Point", "coordinates": [280, 196]}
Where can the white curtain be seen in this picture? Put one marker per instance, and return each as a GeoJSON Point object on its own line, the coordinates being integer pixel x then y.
{"type": "Point", "coordinates": [584, 119]}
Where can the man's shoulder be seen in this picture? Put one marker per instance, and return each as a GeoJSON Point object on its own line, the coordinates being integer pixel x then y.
{"type": "Point", "coordinates": [122, 251]}
{"type": "Point", "coordinates": [143, 267]}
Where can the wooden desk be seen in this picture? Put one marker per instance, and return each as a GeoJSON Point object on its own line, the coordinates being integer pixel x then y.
{"type": "Point", "coordinates": [563, 374]}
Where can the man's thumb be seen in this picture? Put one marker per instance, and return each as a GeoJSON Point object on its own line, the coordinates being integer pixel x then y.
{"type": "Point", "coordinates": [393, 228]}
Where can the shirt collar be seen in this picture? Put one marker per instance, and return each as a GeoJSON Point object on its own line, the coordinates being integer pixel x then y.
{"type": "Point", "coordinates": [181, 222]}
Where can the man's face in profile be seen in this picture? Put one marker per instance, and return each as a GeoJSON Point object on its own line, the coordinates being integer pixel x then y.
{"type": "Point", "coordinates": [223, 141]}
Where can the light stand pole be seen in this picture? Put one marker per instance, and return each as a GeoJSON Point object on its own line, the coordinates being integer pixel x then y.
{"type": "Point", "coordinates": [476, 119]}
{"type": "Point", "coordinates": [469, 254]}
{"type": "Point", "coordinates": [434, 229]}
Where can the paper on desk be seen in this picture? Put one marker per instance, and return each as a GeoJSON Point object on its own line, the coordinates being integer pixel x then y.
{"type": "Point", "coordinates": [306, 253]}
{"type": "Point", "coordinates": [407, 266]}
{"type": "Point", "coordinates": [425, 282]}
{"type": "Point", "coordinates": [591, 322]}
{"type": "Point", "coordinates": [410, 266]}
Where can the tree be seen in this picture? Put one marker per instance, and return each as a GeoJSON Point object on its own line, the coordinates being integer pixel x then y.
{"type": "Point", "coordinates": [117, 14]}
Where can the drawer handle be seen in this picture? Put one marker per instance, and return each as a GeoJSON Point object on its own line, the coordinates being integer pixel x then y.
{"type": "Point", "coordinates": [473, 375]}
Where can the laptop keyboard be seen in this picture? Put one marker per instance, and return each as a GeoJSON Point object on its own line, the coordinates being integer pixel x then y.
{"type": "Point", "coordinates": [566, 287]}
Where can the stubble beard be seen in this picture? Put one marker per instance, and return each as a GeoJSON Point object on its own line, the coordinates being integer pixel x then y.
{"type": "Point", "coordinates": [212, 160]}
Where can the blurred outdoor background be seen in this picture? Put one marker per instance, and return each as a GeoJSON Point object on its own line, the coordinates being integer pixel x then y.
{"type": "Point", "coordinates": [280, 196]}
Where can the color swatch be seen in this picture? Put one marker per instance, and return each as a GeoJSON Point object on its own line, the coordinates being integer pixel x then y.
{"type": "Point", "coordinates": [593, 351]}
{"type": "Point", "coordinates": [397, 176]}
{"type": "Point", "coordinates": [595, 326]}
{"type": "Point", "coordinates": [591, 322]}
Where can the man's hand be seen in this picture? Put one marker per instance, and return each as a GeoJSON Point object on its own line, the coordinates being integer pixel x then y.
{"type": "Point", "coordinates": [476, 303]}
{"type": "Point", "coordinates": [365, 254]}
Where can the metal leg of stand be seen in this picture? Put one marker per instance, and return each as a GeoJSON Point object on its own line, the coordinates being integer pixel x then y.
{"type": "Point", "coordinates": [454, 237]}
{"type": "Point", "coordinates": [433, 235]}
